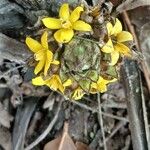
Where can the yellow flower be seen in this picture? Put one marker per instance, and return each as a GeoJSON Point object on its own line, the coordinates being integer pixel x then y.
{"type": "Point", "coordinates": [66, 23]}
{"type": "Point", "coordinates": [41, 53]}
{"type": "Point", "coordinates": [54, 82]}
{"type": "Point", "coordinates": [101, 85]}
{"type": "Point", "coordinates": [115, 45]}
{"type": "Point", "coordinates": [78, 94]}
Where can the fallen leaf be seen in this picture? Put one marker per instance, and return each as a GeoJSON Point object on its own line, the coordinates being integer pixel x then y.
{"type": "Point", "coordinates": [145, 44]}
{"type": "Point", "coordinates": [82, 146]}
{"type": "Point", "coordinates": [61, 143]}
{"type": "Point", "coordinates": [65, 142]}
{"type": "Point", "coordinates": [131, 4]}
{"type": "Point", "coordinates": [5, 140]}
{"type": "Point", "coordinates": [5, 117]}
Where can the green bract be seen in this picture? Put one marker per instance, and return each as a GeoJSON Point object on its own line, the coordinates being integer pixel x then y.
{"type": "Point", "coordinates": [81, 62]}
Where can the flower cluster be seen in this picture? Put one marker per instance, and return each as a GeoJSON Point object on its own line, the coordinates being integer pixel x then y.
{"type": "Point", "coordinates": [82, 67]}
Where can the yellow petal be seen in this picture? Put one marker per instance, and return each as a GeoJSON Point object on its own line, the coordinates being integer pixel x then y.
{"type": "Point", "coordinates": [108, 47]}
{"type": "Point", "coordinates": [75, 15]}
{"type": "Point", "coordinates": [49, 57]}
{"type": "Point", "coordinates": [64, 12]}
{"type": "Point", "coordinates": [38, 81]}
{"type": "Point", "coordinates": [39, 66]}
{"type": "Point", "coordinates": [52, 23]}
{"type": "Point", "coordinates": [55, 62]}
{"type": "Point", "coordinates": [59, 83]}
{"type": "Point", "coordinates": [78, 94]}
{"type": "Point", "coordinates": [63, 35]}
{"type": "Point", "coordinates": [81, 26]}
{"type": "Point", "coordinates": [93, 88]}
{"type": "Point", "coordinates": [33, 44]}
{"type": "Point", "coordinates": [94, 85]}
{"type": "Point", "coordinates": [109, 27]}
{"type": "Point", "coordinates": [39, 55]}
{"type": "Point", "coordinates": [55, 83]}
{"type": "Point", "coordinates": [121, 48]}
{"type": "Point", "coordinates": [117, 27]}
{"type": "Point", "coordinates": [67, 83]}
{"type": "Point", "coordinates": [124, 36]}
{"type": "Point", "coordinates": [44, 40]}
{"type": "Point", "coordinates": [102, 84]}
{"type": "Point", "coordinates": [61, 88]}
{"type": "Point", "coordinates": [114, 58]}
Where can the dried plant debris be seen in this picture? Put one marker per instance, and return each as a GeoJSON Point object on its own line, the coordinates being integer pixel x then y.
{"type": "Point", "coordinates": [65, 142]}
{"type": "Point", "coordinates": [131, 4]}
{"type": "Point", "coordinates": [5, 138]}
{"type": "Point", "coordinates": [13, 50]}
{"type": "Point", "coordinates": [5, 117]}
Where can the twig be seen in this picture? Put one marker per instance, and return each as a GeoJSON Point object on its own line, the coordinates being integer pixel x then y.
{"type": "Point", "coordinates": [118, 126]}
{"type": "Point", "coordinates": [145, 115]}
{"type": "Point", "coordinates": [111, 104]}
{"type": "Point", "coordinates": [95, 111]}
{"type": "Point", "coordinates": [10, 70]}
{"type": "Point", "coordinates": [132, 30]}
{"type": "Point", "coordinates": [131, 77]}
{"type": "Point", "coordinates": [115, 117]}
{"type": "Point", "coordinates": [48, 129]}
{"type": "Point", "coordinates": [101, 120]}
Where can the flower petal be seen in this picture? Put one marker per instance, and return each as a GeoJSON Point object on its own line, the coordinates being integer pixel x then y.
{"type": "Point", "coordinates": [64, 12]}
{"type": "Point", "coordinates": [108, 47]}
{"type": "Point", "coordinates": [102, 84]}
{"type": "Point", "coordinates": [75, 15]}
{"type": "Point", "coordinates": [93, 88]}
{"type": "Point", "coordinates": [44, 40]}
{"type": "Point", "coordinates": [55, 62]}
{"type": "Point", "coordinates": [39, 66]}
{"type": "Point", "coordinates": [63, 35]}
{"type": "Point", "coordinates": [117, 27]}
{"type": "Point", "coordinates": [114, 58]}
{"type": "Point", "coordinates": [68, 82]}
{"type": "Point", "coordinates": [55, 83]}
{"type": "Point", "coordinates": [33, 44]}
{"type": "Point", "coordinates": [124, 36]}
{"type": "Point", "coordinates": [78, 94]}
{"type": "Point", "coordinates": [38, 81]}
{"type": "Point", "coordinates": [49, 57]}
{"type": "Point", "coordinates": [109, 27]}
{"type": "Point", "coordinates": [52, 23]}
{"type": "Point", "coordinates": [39, 55]}
{"type": "Point", "coordinates": [123, 49]}
{"type": "Point", "coordinates": [81, 26]}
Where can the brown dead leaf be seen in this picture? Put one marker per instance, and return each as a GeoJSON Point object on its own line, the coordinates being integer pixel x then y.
{"type": "Point", "coordinates": [131, 4]}
{"type": "Point", "coordinates": [5, 117]}
{"type": "Point", "coordinates": [82, 146]}
{"type": "Point", "coordinates": [61, 143]}
{"type": "Point", "coordinates": [5, 138]}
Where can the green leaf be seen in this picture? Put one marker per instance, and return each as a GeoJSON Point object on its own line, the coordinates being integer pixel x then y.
{"type": "Point", "coordinates": [111, 70]}
{"type": "Point", "coordinates": [93, 75]}
{"type": "Point", "coordinates": [85, 84]}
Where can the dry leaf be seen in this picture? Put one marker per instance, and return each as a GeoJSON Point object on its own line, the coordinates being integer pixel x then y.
{"type": "Point", "coordinates": [65, 142]}
{"type": "Point", "coordinates": [145, 44]}
{"type": "Point", "coordinates": [61, 143]}
{"type": "Point", "coordinates": [5, 117]}
{"type": "Point", "coordinates": [82, 146]}
{"type": "Point", "coordinates": [5, 138]}
{"type": "Point", "coordinates": [49, 103]}
{"type": "Point", "coordinates": [131, 4]}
